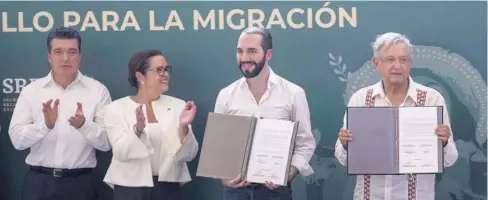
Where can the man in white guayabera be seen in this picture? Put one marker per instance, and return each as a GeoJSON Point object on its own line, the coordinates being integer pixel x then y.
{"type": "Point", "coordinates": [393, 59]}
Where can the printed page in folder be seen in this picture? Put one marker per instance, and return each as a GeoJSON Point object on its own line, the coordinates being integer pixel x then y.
{"type": "Point", "coordinates": [270, 151]}
{"type": "Point", "coordinates": [418, 143]}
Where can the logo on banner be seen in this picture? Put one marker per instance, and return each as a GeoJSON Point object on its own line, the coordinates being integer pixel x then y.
{"type": "Point", "coordinates": [11, 88]}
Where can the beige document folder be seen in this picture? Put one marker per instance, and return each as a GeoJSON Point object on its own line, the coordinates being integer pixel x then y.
{"type": "Point", "coordinates": [227, 146]}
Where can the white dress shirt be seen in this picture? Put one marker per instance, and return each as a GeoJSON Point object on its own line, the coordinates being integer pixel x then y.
{"type": "Point", "coordinates": [282, 100]}
{"type": "Point", "coordinates": [64, 146]}
{"type": "Point", "coordinates": [133, 162]}
{"type": "Point", "coordinates": [394, 187]}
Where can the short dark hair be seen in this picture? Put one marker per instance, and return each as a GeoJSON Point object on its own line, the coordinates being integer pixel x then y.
{"type": "Point", "coordinates": [63, 33]}
{"type": "Point", "coordinates": [266, 39]}
{"type": "Point", "coordinates": [139, 63]}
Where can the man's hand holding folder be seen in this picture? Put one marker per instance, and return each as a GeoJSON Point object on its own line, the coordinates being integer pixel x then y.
{"type": "Point", "coordinates": [344, 137]}
{"type": "Point", "coordinates": [443, 133]}
{"type": "Point", "coordinates": [238, 182]}
{"type": "Point", "coordinates": [291, 175]}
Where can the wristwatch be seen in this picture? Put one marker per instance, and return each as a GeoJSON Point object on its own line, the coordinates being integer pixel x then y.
{"type": "Point", "coordinates": [138, 133]}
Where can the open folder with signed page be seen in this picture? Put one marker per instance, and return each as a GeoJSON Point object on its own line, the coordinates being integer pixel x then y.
{"type": "Point", "coordinates": [394, 140]}
{"type": "Point", "coordinates": [256, 149]}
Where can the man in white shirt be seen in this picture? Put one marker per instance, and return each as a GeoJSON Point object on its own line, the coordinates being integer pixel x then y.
{"type": "Point", "coordinates": [262, 93]}
{"type": "Point", "coordinates": [58, 118]}
{"type": "Point", "coordinates": [393, 59]}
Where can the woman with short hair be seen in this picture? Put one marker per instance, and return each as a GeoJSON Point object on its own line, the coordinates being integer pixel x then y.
{"type": "Point", "coordinates": [150, 133]}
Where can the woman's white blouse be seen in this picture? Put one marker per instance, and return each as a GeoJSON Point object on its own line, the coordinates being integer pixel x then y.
{"type": "Point", "coordinates": [157, 152]}
{"type": "Point", "coordinates": [153, 129]}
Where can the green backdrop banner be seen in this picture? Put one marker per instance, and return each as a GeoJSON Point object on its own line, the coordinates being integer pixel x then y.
{"type": "Point", "coordinates": [322, 46]}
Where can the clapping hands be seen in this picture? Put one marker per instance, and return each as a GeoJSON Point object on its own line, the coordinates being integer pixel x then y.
{"type": "Point", "coordinates": [141, 119]}
{"type": "Point", "coordinates": [188, 114]}
{"type": "Point", "coordinates": [50, 113]}
{"type": "Point", "coordinates": [78, 119]}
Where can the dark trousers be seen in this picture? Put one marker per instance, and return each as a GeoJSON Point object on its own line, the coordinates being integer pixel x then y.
{"type": "Point", "coordinates": [160, 191]}
{"type": "Point", "coordinates": [257, 192]}
{"type": "Point", "coordinates": [40, 186]}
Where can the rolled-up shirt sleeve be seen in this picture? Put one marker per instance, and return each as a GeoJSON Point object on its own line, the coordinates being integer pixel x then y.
{"type": "Point", "coordinates": [340, 152]}
{"type": "Point", "coordinates": [450, 150]}
{"type": "Point", "coordinates": [305, 141]}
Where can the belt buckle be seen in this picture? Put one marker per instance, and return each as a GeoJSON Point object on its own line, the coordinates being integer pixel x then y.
{"type": "Point", "coordinates": [57, 173]}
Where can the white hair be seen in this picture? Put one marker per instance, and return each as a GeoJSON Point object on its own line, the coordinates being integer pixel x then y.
{"type": "Point", "coordinates": [386, 40]}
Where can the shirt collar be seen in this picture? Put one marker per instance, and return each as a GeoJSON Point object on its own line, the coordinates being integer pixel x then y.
{"type": "Point", "coordinates": [49, 79]}
{"type": "Point", "coordinates": [272, 79]}
{"type": "Point", "coordinates": [411, 92]}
